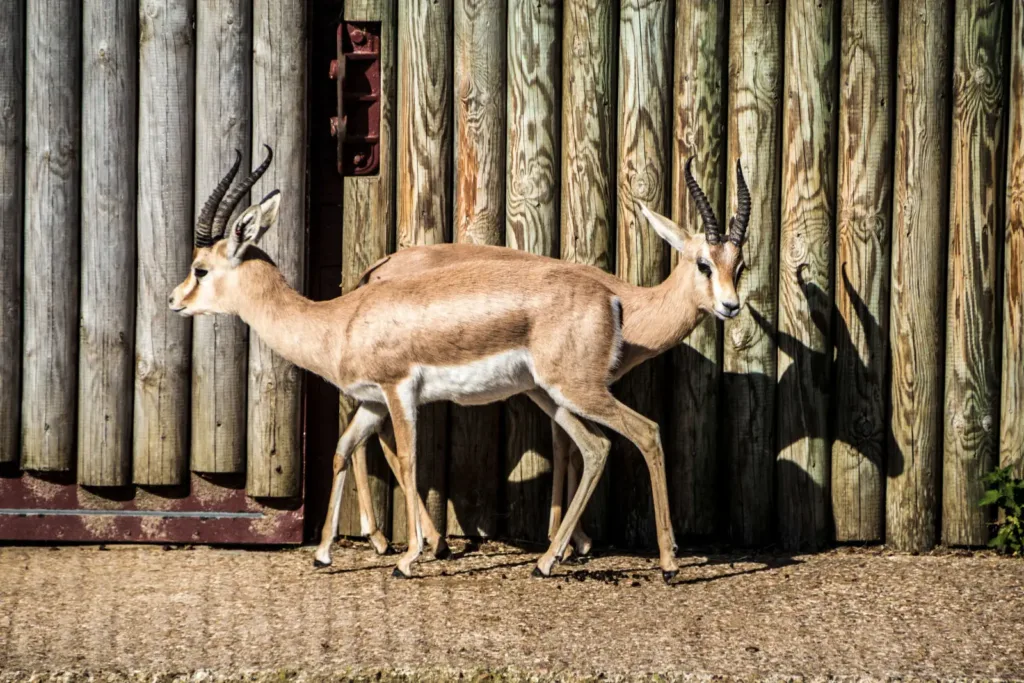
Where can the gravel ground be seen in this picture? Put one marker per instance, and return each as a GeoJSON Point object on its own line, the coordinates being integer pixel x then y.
{"type": "Point", "coordinates": [143, 613]}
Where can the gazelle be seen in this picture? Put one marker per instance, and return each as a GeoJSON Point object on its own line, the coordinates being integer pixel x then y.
{"type": "Point", "coordinates": [654, 323]}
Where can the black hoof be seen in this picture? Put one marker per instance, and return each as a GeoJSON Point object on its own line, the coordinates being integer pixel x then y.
{"type": "Point", "coordinates": [398, 574]}
{"type": "Point", "coordinates": [388, 550]}
{"type": "Point", "coordinates": [317, 564]}
{"type": "Point", "coordinates": [443, 554]}
{"type": "Point", "coordinates": [537, 573]}
{"type": "Point", "coordinates": [668, 576]}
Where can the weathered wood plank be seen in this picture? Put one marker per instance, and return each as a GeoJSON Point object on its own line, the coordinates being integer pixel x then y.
{"type": "Point", "coordinates": [972, 379]}
{"type": "Point", "coordinates": [51, 238]}
{"type": "Point", "coordinates": [589, 64]}
{"type": "Point", "coordinates": [1011, 439]}
{"type": "Point", "coordinates": [107, 326]}
{"type": "Point", "coordinates": [805, 272]}
{"type": "Point", "coordinates": [424, 198]}
{"type": "Point", "coordinates": [368, 207]}
{"type": "Point", "coordinates": [642, 258]}
{"type": "Point", "coordinates": [474, 460]}
{"type": "Point", "coordinates": [12, 169]}
{"type": "Point", "coordinates": [274, 442]}
{"type": "Point", "coordinates": [220, 344]}
{"type": "Point", "coordinates": [162, 338]}
{"type": "Point", "coordinates": [917, 309]}
{"type": "Point", "coordinates": [749, 352]}
{"type": "Point", "coordinates": [531, 220]}
{"type": "Point", "coordinates": [700, 99]}
{"type": "Point", "coordinates": [863, 208]}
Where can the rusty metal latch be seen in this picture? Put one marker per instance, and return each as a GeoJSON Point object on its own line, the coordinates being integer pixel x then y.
{"type": "Point", "coordinates": [357, 74]}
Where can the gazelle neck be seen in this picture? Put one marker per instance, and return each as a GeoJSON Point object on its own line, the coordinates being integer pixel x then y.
{"type": "Point", "coordinates": [659, 318]}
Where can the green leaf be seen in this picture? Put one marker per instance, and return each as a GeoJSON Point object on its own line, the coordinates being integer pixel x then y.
{"type": "Point", "coordinates": [990, 497]}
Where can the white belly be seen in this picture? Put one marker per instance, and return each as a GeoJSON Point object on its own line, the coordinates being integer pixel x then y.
{"type": "Point", "coordinates": [487, 380]}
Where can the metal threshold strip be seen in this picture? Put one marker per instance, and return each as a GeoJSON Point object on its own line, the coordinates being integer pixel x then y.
{"type": "Point", "coordinates": [31, 512]}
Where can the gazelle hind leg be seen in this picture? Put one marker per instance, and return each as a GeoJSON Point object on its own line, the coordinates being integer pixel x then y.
{"type": "Point", "coordinates": [560, 457]}
{"type": "Point", "coordinates": [403, 420]}
{"type": "Point", "coordinates": [367, 519]}
{"type": "Point", "coordinates": [579, 538]}
{"type": "Point", "coordinates": [365, 421]}
{"type": "Point", "coordinates": [433, 537]}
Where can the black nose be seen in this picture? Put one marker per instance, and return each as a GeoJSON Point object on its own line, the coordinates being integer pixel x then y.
{"type": "Point", "coordinates": [731, 306]}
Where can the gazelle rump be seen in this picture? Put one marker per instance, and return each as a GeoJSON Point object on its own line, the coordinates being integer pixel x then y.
{"type": "Point", "coordinates": [655, 320]}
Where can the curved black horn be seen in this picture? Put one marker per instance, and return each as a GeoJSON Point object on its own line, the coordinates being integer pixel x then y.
{"type": "Point", "coordinates": [714, 236]}
{"type": "Point", "coordinates": [204, 224]}
{"type": "Point", "coordinates": [738, 223]}
{"type": "Point", "coordinates": [235, 196]}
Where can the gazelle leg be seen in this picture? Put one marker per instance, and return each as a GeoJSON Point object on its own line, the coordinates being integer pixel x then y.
{"type": "Point", "coordinates": [560, 444]}
{"type": "Point", "coordinates": [433, 537]}
{"type": "Point", "coordinates": [367, 519]}
{"type": "Point", "coordinates": [403, 421]}
{"type": "Point", "coordinates": [579, 537]}
{"type": "Point", "coordinates": [365, 421]}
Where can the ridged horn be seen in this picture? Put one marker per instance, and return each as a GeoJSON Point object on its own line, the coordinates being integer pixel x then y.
{"type": "Point", "coordinates": [738, 223]}
{"type": "Point", "coordinates": [707, 214]}
{"type": "Point", "coordinates": [235, 196]}
{"type": "Point", "coordinates": [204, 224]}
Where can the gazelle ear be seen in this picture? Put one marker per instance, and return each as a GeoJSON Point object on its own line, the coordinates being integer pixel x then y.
{"type": "Point", "coordinates": [667, 229]}
{"type": "Point", "coordinates": [249, 227]}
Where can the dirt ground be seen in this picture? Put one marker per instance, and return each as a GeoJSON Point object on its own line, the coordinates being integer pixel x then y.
{"type": "Point", "coordinates": [143, 613]}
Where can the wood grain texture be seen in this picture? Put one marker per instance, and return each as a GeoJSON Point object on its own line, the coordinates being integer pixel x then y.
{"type": "Point", "coordinates": [1011, 421]}
{"type": "Point", "coordinates": [12, 173]}
{"type": "Point", "coordinates": [642, 258]}
{"type": "Point", "coordinates": [863, 236]}
{"type": "Point", "coordinates": [474, 459]}
{"type": "Point", "coordinates": [701, 39]}
{"type": "Point", "coordinates": [162, 338]}
{"type": "Point", "coordinates": [425, 94]}
{"type": "Point", "coordinates": [976, 202]}
{"type": "Point", "coordinates": [368, 234]}
{"type": "Point", "coordinates": [531, 223]}
{"type": "Point", "coordinates": [107, 325]}
{"type": "Point", "coordinates": [749, 353]}
{"type": "Point", "coordinates": [918, 287]}
{"type": "Point", "coordinates": [589, 67]}
{"type": "Point", "coordinates": [220, 344]}
{"type": "Point", "coordinates": [51, 237]}
{"type": "Point", "coordinates": [805, 272]}
{"type": "Point", "coordinates": [274, 441]}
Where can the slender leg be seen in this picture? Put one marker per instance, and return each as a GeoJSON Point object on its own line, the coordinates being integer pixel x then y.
{"type": "Point", "coordinates": [560, 443]}
{"type": "Point", "coordinates": [579, 537]}
{"type": "Point", "coordinates": [403, 421]}
{"type": "Point", "coordinates": [366, 421]}
{"type": "Point", "coordinates": [367, 519]}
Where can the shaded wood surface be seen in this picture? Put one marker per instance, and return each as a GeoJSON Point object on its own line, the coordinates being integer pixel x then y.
{"type": "Point", "coordinates": [368, 227]}
{"type": "Point", "coordinates": [749, 354]}
{"type": "Point", "coordinates": [863, 237]}
{"type": "Point", "coordinates": [107, 323]}
{"type": "Point", "coordinates": [424, 200]}
{"type": "Point", "coordinates": [162, 338]}
{"type": "Point", "coordinates": [698, 131]}
{"type": "Point", "coordinates": [531, 220]}
{"type": "Point", "coordinates": [805, 271]}
{"type": "Point", "coordinates": [474, 459]}
{"type": "Point", "coordinates": [1011, 422]}
{"type": "Point", "coordinates": [274, 440]}
{"type": "Point", "coordinates": [220, 344]}
{"type": "Point", "coordinates": [589, 67]}
{"type": "Point", "coordinates": [918, 283]}
{"type": "Point", "coordinates": [51, 237]}
{"type": "Point", "coordinates": [12, 159]}
{"type": "Point", "coordinates": [642, 258]}
{"type": "Point", "coordinates": [971, 431]}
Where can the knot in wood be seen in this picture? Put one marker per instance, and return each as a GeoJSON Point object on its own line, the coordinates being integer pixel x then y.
{"type": "Point", "coordinates": [644, 185]}
{"type": "Point", "coordinates": [579, 47]}
{"type": "Point", "coordinates": [743, 333]}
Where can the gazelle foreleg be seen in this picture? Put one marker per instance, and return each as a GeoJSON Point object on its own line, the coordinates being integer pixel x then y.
{"type": "Point", "coordinates": [403, 419]}
{"type": "Point", "coordinates": [565, 455]}
{"type": "Point", "coordinates": [573, 460]}
{"type": "Point", "coordinates": [367, 519]}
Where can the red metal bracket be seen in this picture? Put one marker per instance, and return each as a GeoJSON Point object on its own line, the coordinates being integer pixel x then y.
{"type": "Point", "coordinates": [357, 74]}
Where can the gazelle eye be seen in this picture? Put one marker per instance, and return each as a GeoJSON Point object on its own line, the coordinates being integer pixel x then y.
{"type": "Point", "coordinates": [199, 273]}
{"type": "Point", "coordinates": [704, 267]}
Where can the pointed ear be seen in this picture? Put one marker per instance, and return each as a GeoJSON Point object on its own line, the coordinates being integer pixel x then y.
{"type": "Point", "coordinates": [249, 227]}
{"type": "Point", "coordinates": [667, 229]}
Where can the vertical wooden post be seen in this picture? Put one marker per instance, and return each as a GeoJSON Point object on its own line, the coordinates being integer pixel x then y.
{"type": "Point", "coordinates": [12, 157]}
{"type": "Point", "coordinates": [51, 274]}
{"type": "Point", "coordinates": [107, 329]}
{"type": "Point", "coordinates": [749, 350]}
{"type": "Point", "coordinates": [699, 96]}
{"type": "Point", "coordinates": [531, 210]}
{"type": "Point", "coordinates": [1011, 440]}
{"type": "Point", "coordinates": [274, 447]}
{"type": "Point", "coordinates": [589, 29]}
{"type": "Point", "coordinates": [424, 196]}
{"type": "Point", "coordinates": [644, 175]}
{"type": "Point", "coordinates": [220, 344]}
{"type": "Point", "coordinates": [972, 379]}
{"type": "Point", "coordinates": [862, 270]}
{"type": "Point", "coordinates": [918, 306]}
{"type": "Point", "coordinates": [805, 273]}
{"type": "Point", "coordinates": [165, 229]}
{"type": "Point", "coordinates": [475, 456]}
{"type": "Point", "coordinates": [368, 208]}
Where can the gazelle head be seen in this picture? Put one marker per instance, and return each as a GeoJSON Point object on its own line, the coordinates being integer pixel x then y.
{"type": "Point", "coordinates": [712, 261]}
{"type": "Point", "coordinates": [219, 256]}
